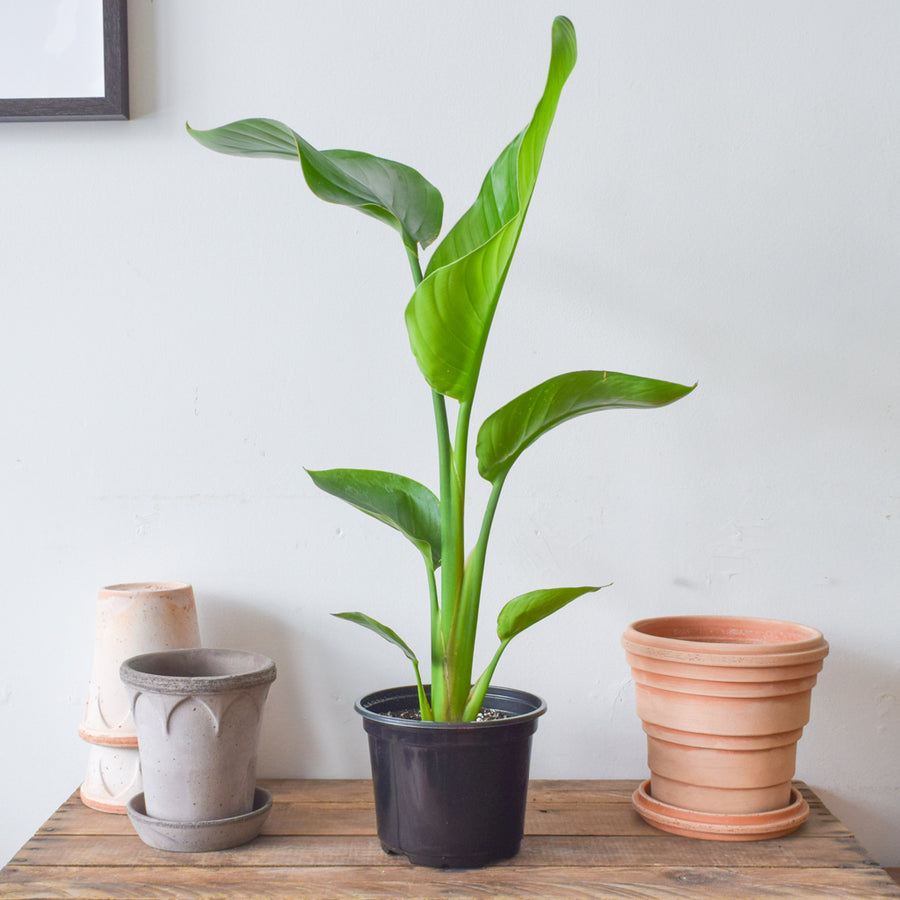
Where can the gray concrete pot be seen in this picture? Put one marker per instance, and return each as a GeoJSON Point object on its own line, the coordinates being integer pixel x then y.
{"type": "Point", "coordinates": [198, 714]}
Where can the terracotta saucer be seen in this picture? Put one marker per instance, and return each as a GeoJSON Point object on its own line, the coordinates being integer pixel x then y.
{"type": "Point", "coordinates": [199, 837]}
{"type": "Point", "coordinates": [721, 827]}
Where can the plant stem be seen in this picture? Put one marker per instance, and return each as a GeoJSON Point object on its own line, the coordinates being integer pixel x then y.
{"type": "Point", "coordinates": [449, 572]}
{"type": "Point", "coordinates": [437, 640]}
{"type": "Point", "coordinates": [457, 666]}
{"type": "Point", "coordinates": [462, 645]}
{"type": "Point", "coordinates": [424, 708]}
{"type": "Point", "coordinates": [451, 544]}
{"type": "Point", "coordinates": [476, 697]}
{"type": "Point", "coordinates": [412, 254]}
{"type": "Point", "coordinates": [461, 447]}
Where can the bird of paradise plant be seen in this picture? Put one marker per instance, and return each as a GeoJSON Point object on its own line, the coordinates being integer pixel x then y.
{"type": "Point", "coordinates": [448, 320]}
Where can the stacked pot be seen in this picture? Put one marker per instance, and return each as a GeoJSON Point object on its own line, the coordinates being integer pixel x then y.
{"type": "Point", "coordinates": [723, 701]}
{"type": "Point", "coordinates": [131, 619]}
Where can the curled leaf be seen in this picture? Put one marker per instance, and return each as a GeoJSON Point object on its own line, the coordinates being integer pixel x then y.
{"type": "Point", "coordinates": [381, 188]}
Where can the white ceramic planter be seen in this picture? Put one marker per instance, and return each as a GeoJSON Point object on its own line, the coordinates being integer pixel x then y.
{"type": "Point", "coordinates": [113, 777]}
{"type": "Point", "coordinates": [131, 619]}
{"type": "Point", "coordinates": [198, 715]}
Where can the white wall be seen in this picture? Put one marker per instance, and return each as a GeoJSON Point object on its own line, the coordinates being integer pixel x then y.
{"type": "Point", "coordinates": [182, 332]}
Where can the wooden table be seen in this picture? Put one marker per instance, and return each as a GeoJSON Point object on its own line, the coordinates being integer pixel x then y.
{"type": "Point", "coordinates": [582, 840]}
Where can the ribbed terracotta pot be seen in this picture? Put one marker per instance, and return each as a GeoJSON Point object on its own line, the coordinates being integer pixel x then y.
{"type": "Point", "coordinates": [723, 701]}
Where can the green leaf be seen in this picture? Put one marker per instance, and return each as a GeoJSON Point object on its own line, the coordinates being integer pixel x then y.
{"type": "Point", "coordinates": [523, 611]}
{"type": "Point", "coordinates": [396, 500]}
{"type": "Point", "coordinates": [387, 190]}
{"type": "Point", "coordinates": [514, 427]}
{"type": "Point", "coordinates": [388, 634]}
{"type": "Point", "coordinates": [450, 314]}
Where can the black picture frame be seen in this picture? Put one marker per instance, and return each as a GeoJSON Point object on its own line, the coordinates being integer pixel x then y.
{"type": "Point", "coordinates": [114, 103]}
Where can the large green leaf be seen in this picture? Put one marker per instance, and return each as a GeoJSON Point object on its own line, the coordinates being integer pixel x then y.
{"type": "Point", "coordinates": [450, 313]}
{"type": "Point", "coordinates": [514, 427]}
{"type": "Point", "coordinates": [386, 190]}
{"type": "Point", "coordinates": [523, 611]}
{"type": "Point", "coordinates": [396, 500]}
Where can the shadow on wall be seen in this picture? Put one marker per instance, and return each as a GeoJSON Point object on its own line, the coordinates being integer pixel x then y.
{"type": "Point", "coordinates": [296, 740]}
{"type": "Point", "coordinates": [853, 734]}
{"type": "Point", "coordinates": [143, 63]}
{"type": "Point", "coordinates": [875, 830]}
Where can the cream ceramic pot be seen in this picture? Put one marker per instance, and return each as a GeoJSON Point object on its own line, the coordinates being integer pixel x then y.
{"type": "Point", "coordinates": [131, 618]}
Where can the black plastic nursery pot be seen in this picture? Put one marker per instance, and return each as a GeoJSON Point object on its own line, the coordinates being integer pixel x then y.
{"type": "Point", "coordinates": [450, 794]}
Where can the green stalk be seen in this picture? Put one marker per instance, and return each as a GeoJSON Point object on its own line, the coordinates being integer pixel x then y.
{"type": "Point", "coordinates": [412, 254]}
{"type": "Point", "coordinates": [424, 708]}
{"type": "Point", "coordinates": [448, 575]}
{"type": "Point", "coordinates": [461, 447]}
{"type": "Point", "coordinates": [462, 647]}
{"type": "Point", "coordinates": [476, 697]}
{"type": "Point", "coordinates": [458, 668]}
{"type": "Point", "coordinates": [436, 642]}
{"type": "Point", "coordinates": [451, 533]}
{"type": "Point", "coordinates": [450, 544]}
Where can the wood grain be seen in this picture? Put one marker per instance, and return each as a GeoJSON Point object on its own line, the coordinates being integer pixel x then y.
{"type": "Point", "coordinates": [582, 840]}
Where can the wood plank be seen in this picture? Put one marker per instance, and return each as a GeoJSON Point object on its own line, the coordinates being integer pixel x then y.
{"type": "Point", "coordinates": [542, 790]}
{"type": "Point", "coordinates": [582, 839]}
{"type": "Point", "coordinates": [359, 790]}
{"type": "Point", "coordinates": [305, 807]}
{"type": "Point", "coordinates": [613, 819]}
{"type": "Point", "coordinates": [544, 850]}
{"type": "Point", "coordinates": [393, 883]}
{"type": "Point", "coordinates": [74, 817]}
{"type": "Point", "coordinates": [583, 791]}
{"type": "Point", "coordinates": [321, 790]}
{"type": "Point", "coordinates": [324, 818]}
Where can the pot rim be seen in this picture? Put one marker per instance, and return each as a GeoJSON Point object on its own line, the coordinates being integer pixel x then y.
{"type": "Point", "coordinates": [410, 693]}
{"type": "Point", "coordinates": [197, 670]}
{"type": "Point", "coordinates": [145, 587]}
{"type": "Point", "coordinates": [757, 641]}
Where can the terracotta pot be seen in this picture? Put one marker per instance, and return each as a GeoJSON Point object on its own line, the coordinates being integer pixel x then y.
{"type": "Point", "coordinates": [723, 701]}
{"type": "Point", "coordinates": [131, 619]}
{"type": "Point", "coordinates": [198, 715]}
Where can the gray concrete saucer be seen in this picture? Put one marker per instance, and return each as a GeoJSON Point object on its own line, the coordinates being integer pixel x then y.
{"type": "Point", "coordinates": [199, 837]}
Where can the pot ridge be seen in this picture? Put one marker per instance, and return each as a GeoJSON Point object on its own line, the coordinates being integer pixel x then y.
{"type": "Point", "coordinates": [723, 701]}
{"type": "Point", "coordinates": [725, 641]}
